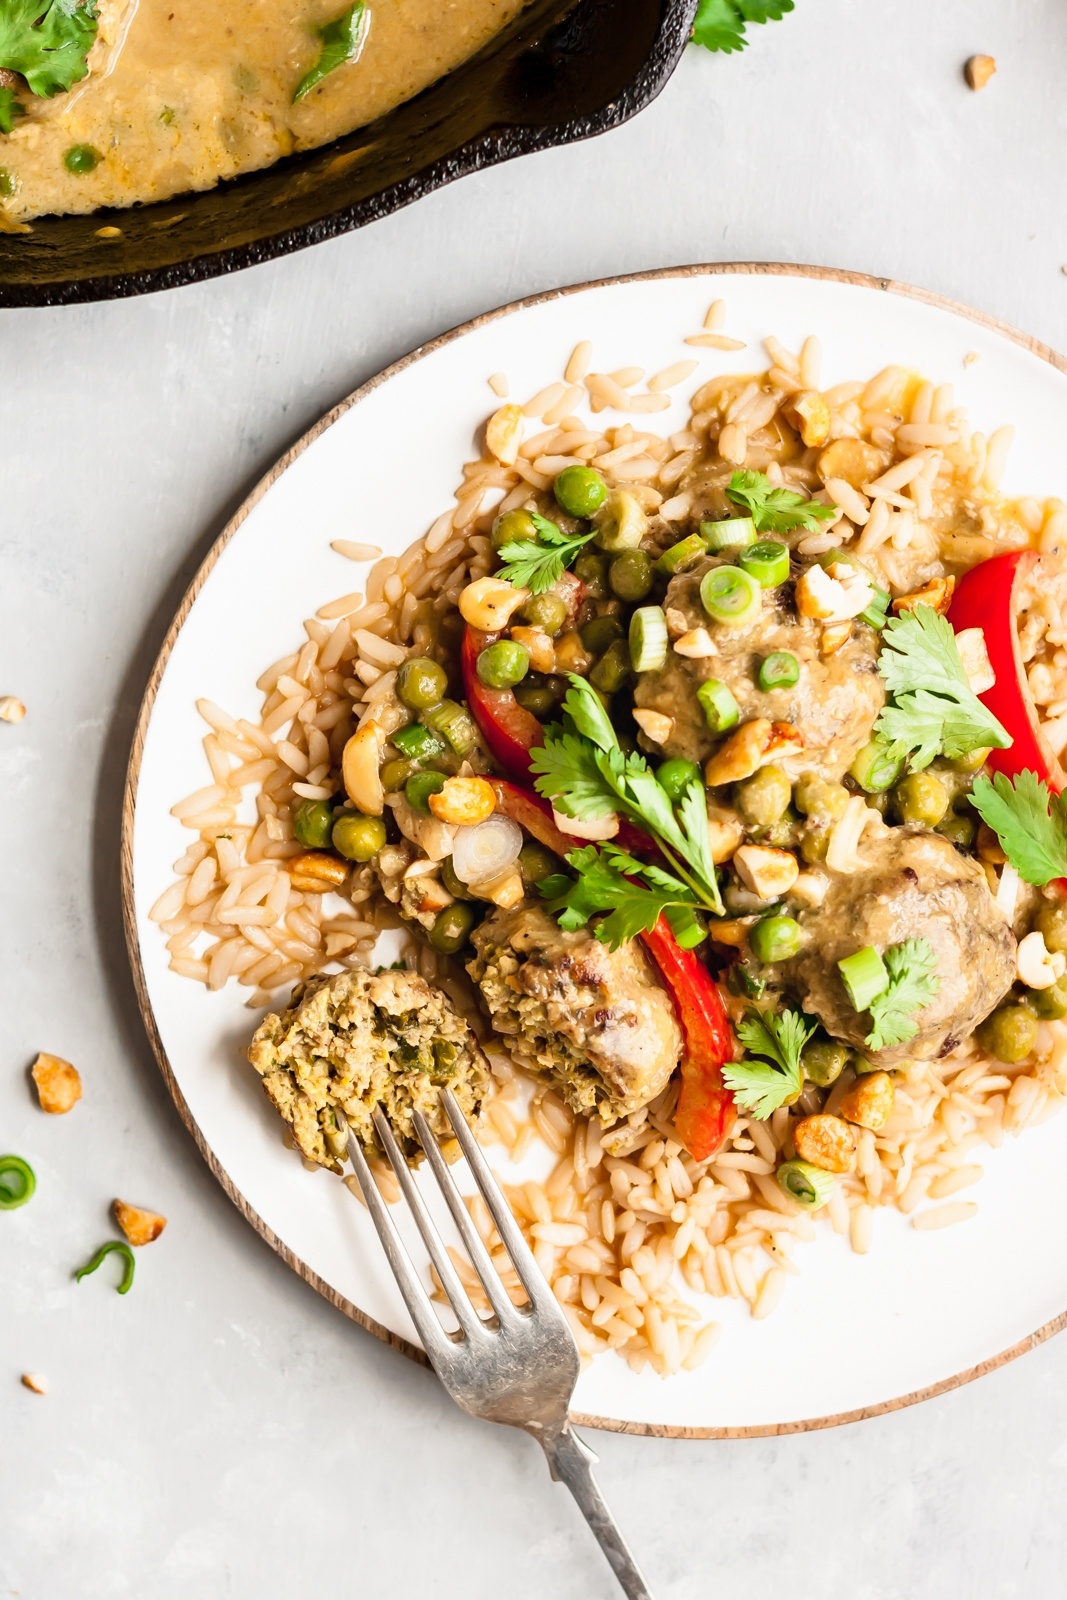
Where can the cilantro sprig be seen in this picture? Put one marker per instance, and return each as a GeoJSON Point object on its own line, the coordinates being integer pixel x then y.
{"type": "Point", "coordinates": [774, 509]}
{"type": "Point", "coordinates": [913, 983]}
{"type": "Point", "coordinates": [1030, 822]}
{"type": "Point", "coordinates": [932, 709]}
{"type": "Point", "coordinates": [536, 564]}
{"type": "Point", "coordinates": [635, 894]}
{"type": "Point", "coordinates": [770, 1074]}
{"type": "Point", "coordinates": [583, 770]}
{"type": "Point", "coordinates": [340, 40]}
{"type": "Point", "coordinates": [720, 24]}
{"type": "Point", "coordinates": [47, 43]}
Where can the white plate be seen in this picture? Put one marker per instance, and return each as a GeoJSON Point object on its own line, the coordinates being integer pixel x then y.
{"type": "Point", "coordinates": [853, 1334]}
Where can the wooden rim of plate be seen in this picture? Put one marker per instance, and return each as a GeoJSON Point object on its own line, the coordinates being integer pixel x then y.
{"type": "Point", "coordinates": [756, 269]}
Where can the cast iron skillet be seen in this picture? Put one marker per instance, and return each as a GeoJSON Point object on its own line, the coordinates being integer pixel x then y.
{"type": "Point", "coordinates": [564, 70]}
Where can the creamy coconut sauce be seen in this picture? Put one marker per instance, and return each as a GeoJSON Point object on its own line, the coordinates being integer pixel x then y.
{"type": "Point", "coordinates": [182, 93]}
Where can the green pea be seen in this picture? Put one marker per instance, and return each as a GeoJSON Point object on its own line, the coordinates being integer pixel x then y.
{"type": "Point", "coordinates": [819, 798]}
{"type": "Point", "coordinates": [814, 844]}
{"type": "Point", "coordinates": [675, 776]}
{"type": "Point", "coordinates": [547, 612]}
{"type": "Point", "coordinates": [613, 668]}
{"type": "Point", "coordinates": [536, 861]}
{"type": "Point", "coordinates": [920, 798]}
{"type": "Point", "coordinates": [601, 632]}
{"type": "Point", "coordinates": [1051, 921]}
{"type": "Point", "coordinates": [504, 664]}
{"type": "Point", "coordinates": [419, 787]}
{"type": "Point", "coordinates": [961, 830]}
{"type": "Point", "coordinates": [593, 571]}
{"type": "Point", "coordinates": [358, 838]}
{"type": "Point", "coordinates": [452, 882]}
{"type": "Point", "coordinates": [630, 575]}
{"type": "Point", "coordinates": [540, 694]}
{"type": "Point", "coordinates": [452, 926]}
{"type": "Point", "coordinates": [1051, 1003]}
{"type": "Point", "coordinates": [81, 158]}
{"type": "Point", "coordinates": [395, 774]}
{"type": "Point", "coordinates": [514, 527]}
{"type": "Point", "coordinates": [580, 491]}
{"type": "Point", "coordinates": [763, 798]}
{"type": "Point", "coordinates": [824, 1060]}
{"type": "Point", "coordinates": [313, 824]}
{"type": "Point", "coordinates": [775, 939]}
{"type": "Point", "coordinates": [1010, 1033]}
{"type": "Point", "coordinates": [421, 683]}
{"type": "Point", "coordinates": [973, 761]}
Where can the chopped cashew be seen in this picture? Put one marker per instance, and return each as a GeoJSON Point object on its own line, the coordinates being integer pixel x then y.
{"type": "Point", "coordinates": [1038, 966]}
{"type": "Point", "coordinates": [464, 802]}
{"type": "Point", "coordinates": [833, 637]}
{"type": "Point", "coordinates": [768, 872]}
{"type": "Point", "coordinates": [36, 1381]}
{"type": "Point", "coordinates": [654, 725]}
{"type": "Point", "coordinates": [853, 460]}
{"type": "Point", "coordinates": [869, 1102]}
{"type": "Point", "coordinates": [541, 650]}
{"type": "Point", "coordinates": [970, 642]}
{"type": "Point", "coordinates": [724, 835]}
{"type": "Point", "coordinates": [750, 747]}
{"type": "Point", "coordinates": [600, 828]}
{"type": "Point", "coordinates": [359, 768]}
{"type": "Point", "coordinates": [489, 603]}
{"type": "Point", "coordinates": [139, 1226]}
{"type": "Point", "coordinates": [696, 643]}
{"type": "Point", "coordinates": [506, 891]}
{"type": "Point", "coordinates": [833, 594]}
{"type": "Point", "coordinates": [316, 872]}
{"type": "Point", "coordinates": [503, 434]}
{"type": "Point", "coordinates": [937, 594]}
{"type": "Point", "coordinates": [977, 70]}
{"type": "Point", "coordinates": [827, 1142]}
{"type": "Point", "coordinates": [11, 708]}
{"type": "Point", "coordinates": [59, 1085]}
{"type": "Point", "coordinates": [810, 415]}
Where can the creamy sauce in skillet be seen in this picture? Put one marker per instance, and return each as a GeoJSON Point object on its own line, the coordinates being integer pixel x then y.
{"type": "Point", "coordinates": [182, 93]}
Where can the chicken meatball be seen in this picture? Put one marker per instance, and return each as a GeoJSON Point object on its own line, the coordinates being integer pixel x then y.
{"type": "Point", "coordinates": [911, 885]}
{"type": "Point", "coordinates": [834, 703]}
{"type": "Point", "coordinates": [594, 1021]}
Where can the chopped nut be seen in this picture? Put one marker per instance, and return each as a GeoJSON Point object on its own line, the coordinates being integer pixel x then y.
{"type": "Point", "coordinates": [360, 768]}
{"type": "Point", "coordinates": [503, 434]}
{"type": "Point", "coordinates": [59, 1085]}
{"type": "Point", "coordinates": [937, 594]}
{"type": "Point", "coordinates": [1038, 966]}
{"type": "Point", "coordinates": [785, 740]}
{"type": "Point", "coordinates": [506, 891]}
{"type": "Point", "coordinates": [810, 888]}
{"type": "Point", "coordinates": [464, 802]}
{"type": "Point", "coordinates": [810, 415]}
{"type": "Point", "coordinates": [435, 897]}
{"type": "Point", "coordinates": [572, 656]}
{"type": "Point", "coordinates": [978, 70]}
{"type": "Point", "coordinates": [869, 1102]}
{"type": "Point", "coordinates": [339, 944]}
{"type": "Point", "coordinates": [696, 643]}
{"type": "Point", "coordinates": [35, 1381]}
{"type": "Point", "coordinates": [731, 931]}
{"type": "Point", "coordinates": [833, 637]}
{"type": "Point", "coordinates": [11, 709]}
{"type": "Point", "coordinates": [827, 1142]}
{"type": "Point", "coordinates": [654, 725]}
{"type": "Point", "coordinates": [598, 829]}
{"type": "Point", "coordinates": [833, 594]}
{"type": "Point", "coordinates": [970, 642]}
{"type": "Point", "coordinates": [724, 834]}
{"type": "Point", "coordinates": [749, 748]}
{"type": "Point", "coordinates": [541, 650]}
{"type": "Point", "coordinates": [677, 622]}
{"type": "Point", "coordinates": [489, 603]}
{"type": "Point", "coordinates": [768, 872]}
{"type": "Point", "coordinates": [316, 872]}
{"type": "Point", "coordinates": [139, 1226]}
{"type": "Point", "coordinates": [858, 463]}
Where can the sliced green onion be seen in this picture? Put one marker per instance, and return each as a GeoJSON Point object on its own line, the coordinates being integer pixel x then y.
{"type": "Point", "coordinates": [876, 768]}
{"type": "Point", "coordinates": [807, 1185]}
{"type": "Point", "coordinates": [875, 614]}
{"type": "Point", "coordinates": [720, 707]}
{"type": "Point", "coordinates": [113, 1247]}
{"type": "Point", "coordinates": [767, 562]}
{"type": "Point", "coordinates": [731, 596]}
{"type": "Point", "coordinates": [681, 555]}
{"type": "Point", "coordinates": [454, 724]}
{"type": "Point", "coordinates": [779, 670]}
{"type": "Point", "coordinates": [648, 639]}
{"type": "Point", "coordinates": [864, 976]}
{"type": "Point", "coordinates": [417, 743]}
{"type": "Point", "coordinates": [17, 1182]}
{"type": "Point", "coordinates": [730, 534]}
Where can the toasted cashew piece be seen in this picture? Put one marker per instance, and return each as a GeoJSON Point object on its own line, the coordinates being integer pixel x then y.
{"type": "Point", "coordinates": [503, 434]}
{"type": "Point", "coordinates": [654, 725]}
{"type": "Point", "coordinates": [869, 1102]}
{"type": "Point", "coordinates": [59, 1085]}
{"type": "Point", "coordinates": [489, 603]}
{"type": "Point", "coordinates": [1038, 966]}
{"type": "Point", "coordinates": [139, 1226]}
{"type": "Point", "coordinates": [827, 1142]}
{"type": "Point", "coordinates": [750, 747]}
{"type": "Point", "coordinates": [768, 872]}
{"type": "Point", "coordinates": [937, 594]}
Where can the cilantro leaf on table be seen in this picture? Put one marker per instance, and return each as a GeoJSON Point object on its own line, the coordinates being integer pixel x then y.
{"type": "Point", "coordinates": [606, 883]}
{"type": "Point", "coordinates": [933, 709]}
{"type": "Point", "coordinates": [538, 564]}
{"type": "Point", "coordinates": [913, 983]}
{"type": "Point", "coordinates": [10, 109]}
{"type": "Point", "coordinates": [341, 40]}
{"type": "Point", "coordinates": [720, 24]}
{"type": "Point", "coordinates": [774, 509]}
{"type": "Point", "coordinates": [770, 1075]}
{"type": "Point", "coordinates": [47, 42]}
{"type": "Point", "coordinates": [1030, 822]}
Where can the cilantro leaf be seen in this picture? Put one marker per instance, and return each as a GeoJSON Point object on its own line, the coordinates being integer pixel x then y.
{"type": "Point", "coordinates": [47, 42]}
{"type": "Point", "coordinates": [570, 775]}
{"type": "Point", "coordinates": [913, 983]}
{"type": "Point", "coordinates": [341, 40]}
{"type": "Point", "coordinates": [774, 509]}
{"type": "Point", "coordinates": [10, 108]}
{"type": "Point", "coordinates": [606, 883]}
{"type": "Point", "coordinates": [720, 24]}
{"type": "Point", "coordinates": [1030, 822]}
{"type": "Point", "coordinates": [536, 564]}
{"type": "Point", "coordinates": [933, 708]}
{"type": "Point", "coordinates": [770, 1076]}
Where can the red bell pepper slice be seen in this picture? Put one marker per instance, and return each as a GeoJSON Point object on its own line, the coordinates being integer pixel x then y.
{"type": "Point", "coordinates": [706, 1113]}
{"type": "Point", "coordinates": [985, 598]}
{"type": "Point", "coordinates": [509, 730]}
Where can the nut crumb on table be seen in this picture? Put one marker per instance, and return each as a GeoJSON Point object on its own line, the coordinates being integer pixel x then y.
{"type": "Point", "coordinates": [59, 1085]}
{"type": "Point", "coordinates": [978, 70]}
{"type": "Point", "coordinates": [139, 1226]}
{"type": "Point", "coordinates": [11, 708]}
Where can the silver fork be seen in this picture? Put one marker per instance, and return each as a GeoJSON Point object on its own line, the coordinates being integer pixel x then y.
{"type": "Point", "coordinates": [520, 1365]}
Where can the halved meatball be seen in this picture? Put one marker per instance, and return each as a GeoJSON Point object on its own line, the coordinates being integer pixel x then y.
{"type": "Point", "coordinates": [911, 885]}
{"type": "Point", "coordinates": [834, 703]}
{"type": "Point", "coordinates": [595, 1021]}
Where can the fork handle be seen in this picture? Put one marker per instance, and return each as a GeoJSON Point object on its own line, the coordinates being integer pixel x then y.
{"type": "Point", "coordinates": [571, 1462]}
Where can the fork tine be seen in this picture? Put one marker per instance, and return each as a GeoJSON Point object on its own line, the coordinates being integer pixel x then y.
{"type": "Point", "coordinates": [468, 1318]}
{"type": "Point", "coordinates": [472, 1240]}
{"type": "Point", "coordinates": [436, 1340]}
{"type": "Point", "coordinates": [530, 1275]}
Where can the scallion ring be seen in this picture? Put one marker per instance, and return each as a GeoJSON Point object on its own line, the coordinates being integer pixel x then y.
{"type": "Point", "coordinates": [779, 670]}
{"type": "Point", "coordinates": [809, 1186]}
{"type": "Point", "coordinates": [767, 562]}
{"type": "Point", "coordinates": [681, 555]}
{"type": "Point", "coordinates": [728, 535]}
{"type": "Point", "coordinates": [864, 975]}
{"type": "Point", "coordinates": [731, 596]}
{"type": "Point", "coordinates": [17, 1182]}
{"type": "Point", "coordinates": [648, 639]}
{"type": "Point", "coordinates": [113, 1247]}
{"type": "Point", "coordinates": [720, 708]}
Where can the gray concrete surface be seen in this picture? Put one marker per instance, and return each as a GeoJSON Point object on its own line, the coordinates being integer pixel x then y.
{"type": "Point", "coordinates": [222, 1432]}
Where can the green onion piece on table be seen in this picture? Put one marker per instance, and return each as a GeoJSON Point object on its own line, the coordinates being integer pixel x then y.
{"type": "Point", "coordinates": [648, 639]}
{"type": "Point", "coordinates": [681, 555]}
{"type": "Point", "coordinates": [729, 535]}
{"type": "Point", "coordinates": [767, 562]}
{"type": "Point", "coordinates": [720, 708]}
{"type": "Point", "coordinates": [113, 1247]}
{"type": "Point", "coordinates": [17, 1182]}
{"type": "Point", "coordinates": [807, 1185]}
{"type": "Point", "coordinates": [731, 596]}
{"type": "Point", "coordinates": [864, 975]}
{"type": "Point", "coordinates": [779, 670]}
